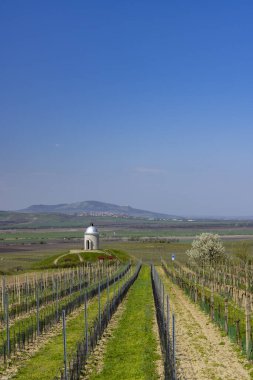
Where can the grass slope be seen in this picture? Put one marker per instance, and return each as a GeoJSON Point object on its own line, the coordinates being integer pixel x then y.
{"type": "Point", "coordinates": [72, 259]}
{"type": "Point", "coordinates": [132, 351]}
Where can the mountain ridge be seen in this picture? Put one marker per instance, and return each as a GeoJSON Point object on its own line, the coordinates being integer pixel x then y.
{"type": "Point", "coordinates": [90, 207]}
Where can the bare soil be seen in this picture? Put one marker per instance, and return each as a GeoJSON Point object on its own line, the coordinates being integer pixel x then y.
{"type": "Point", "coordinates": [159, 362]}
{"type": "Point", "coordinates": [202, 353]}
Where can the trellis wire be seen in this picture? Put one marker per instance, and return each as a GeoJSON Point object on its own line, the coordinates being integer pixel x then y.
{"type": "Point", "coordinates": [224, 314]}
{"type": "Point", "coordinates": [29, 331]}
{"type": "Point", "coordinates": [168, 342]}
{"type": "Point", "coordinates": [83, 350]}
{"type": "Point", "coordinates": [22, 296]}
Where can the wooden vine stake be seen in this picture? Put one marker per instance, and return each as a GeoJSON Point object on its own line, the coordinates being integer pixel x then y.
{"type": "Point", "coordinates": [7, 323]}
{"type": "Point", "coordinates": [86, 323]}
{"type": "Point", "coordinates": [212, 301]}
{"type": "Point", "coordinates": [174, 345]}
{"type": "Point", "coordinates": [203, 286]}
{"type": "Point", "coordinates": [226, 315]}
{"type": "Point", "coordinates": [247, 312]}
{"type": "Point", "coordinates": [196, 289]}
{"type": "Point", "coordinates": [64, 344]}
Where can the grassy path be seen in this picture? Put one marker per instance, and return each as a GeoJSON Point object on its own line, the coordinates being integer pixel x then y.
{"type": "Point", "coordinates": [45, 363]}
{"type": "Point", "coordinates": [203, 352]}
{"type": "Point", "coordinates": [131, 353]}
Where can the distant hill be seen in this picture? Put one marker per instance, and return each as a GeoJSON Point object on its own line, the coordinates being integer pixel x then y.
{"type": "Point", "coordinates": [114, 217]}
{"type": "Point", "coordinates": [94, 208]}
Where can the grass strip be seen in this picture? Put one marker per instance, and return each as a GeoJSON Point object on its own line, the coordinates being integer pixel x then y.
{"type": "Point", "coordinates": [45, 364]}
{"type": "Point", "coordinates": [24, 323]}
{"type": "Point", "coordinates": [132, 351]}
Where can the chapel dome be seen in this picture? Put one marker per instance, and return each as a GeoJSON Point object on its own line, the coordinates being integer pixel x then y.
{"type": "Point", "coordinates": [92, 230]}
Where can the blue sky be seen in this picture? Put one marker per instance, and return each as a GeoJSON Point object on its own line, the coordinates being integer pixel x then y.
{"type": "Point", "coordinates": [131, 102]}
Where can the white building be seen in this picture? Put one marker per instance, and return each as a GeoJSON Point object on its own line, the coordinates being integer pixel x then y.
{"type": "Point", "coordinates": [91, 238]}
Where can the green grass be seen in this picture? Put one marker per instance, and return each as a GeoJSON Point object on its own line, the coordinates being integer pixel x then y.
{"type": "Point", "coordinates": [151, 251]}
{"type": "Point", "coordinates": [121, 255]}
{"type": "Point", "coordinates": [48, 262]}
{"type": "Point", "coordinates": [38, 235]}
{"type": "Point", "coordinates": [132, 351]}
{"type": "Point", "coordinates": [45, 364]}
{"type": "Point", "coordinates": [95, 255]}
{"type": "Point", "coordinates": [24, 261]}
{"type": "Point", "coordinates": [72, 259]}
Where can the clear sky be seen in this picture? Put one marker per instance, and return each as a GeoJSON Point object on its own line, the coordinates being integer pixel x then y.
{"type": "Point", "coordinates": [141, 103]}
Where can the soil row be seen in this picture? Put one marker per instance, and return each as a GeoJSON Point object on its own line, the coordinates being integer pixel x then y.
{"type": "Point", "coordinates": [203, 353]}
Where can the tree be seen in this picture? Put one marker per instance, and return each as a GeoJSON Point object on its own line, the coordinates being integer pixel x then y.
{"type": "Point", "coordinates": [207, 249]}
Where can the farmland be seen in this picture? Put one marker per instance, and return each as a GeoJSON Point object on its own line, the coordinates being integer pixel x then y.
{"type": "Point", "coordinates": [176, 325]}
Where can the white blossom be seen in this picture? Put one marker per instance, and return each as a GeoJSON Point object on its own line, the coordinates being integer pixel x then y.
{"type": "Point", "coordinates": [207, 249]}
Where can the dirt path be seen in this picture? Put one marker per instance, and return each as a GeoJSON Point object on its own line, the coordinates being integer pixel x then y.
{"type": "Point", "coordinates": [202, 352]}
{"type": "Point", "coordinates": [66, 254]}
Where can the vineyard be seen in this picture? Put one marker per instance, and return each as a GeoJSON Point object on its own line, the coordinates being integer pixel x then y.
{"type": "Point", "coordinates": [111, 319]}
{"type": "Point", "coordinates": [225, 294]}
{"type": "Point", "coordinates": [55, 319]}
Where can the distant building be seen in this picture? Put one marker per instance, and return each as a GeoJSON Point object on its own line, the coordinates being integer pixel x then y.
{"type": "Point", "coordinates": [91, 238]}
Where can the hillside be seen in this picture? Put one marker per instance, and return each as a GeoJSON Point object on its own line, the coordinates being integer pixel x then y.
{"type": "Point", "coordinates": [94, 207]}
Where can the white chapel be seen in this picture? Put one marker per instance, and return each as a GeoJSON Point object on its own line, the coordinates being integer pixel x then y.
{"type": "Point", "coordinates": [91, 238]}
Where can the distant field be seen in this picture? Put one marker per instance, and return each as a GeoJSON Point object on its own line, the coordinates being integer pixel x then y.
{"type": "Point", "coordinates": [16, 258]}
{"type": "Point", "coordinates": [38, 235]}
{"type": "Point", "coordinates": [109, 224]}
{"type": "Point", "coordinates": [140, 231]}
{"type": "Point", "coordinates": [24, 249]}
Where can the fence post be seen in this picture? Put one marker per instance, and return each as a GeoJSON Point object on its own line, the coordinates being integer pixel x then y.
{"type": "Point", "coordinates": [163, 307]}
{"type": "Point", "coordinates": [168, 321]}
{"type": "Point", "coordinates": [212, 301]}
{"type": "Point", "coordinates": [70, 282]}
{"type": "Point", "coordinates": [26, 291]}
{"type": "Point", "coordinates": [99, 306]}
{"type": "Point", "coordinates": [80, 284]}
{"type": "Point", "coordinates": [57, 299]}
{"type": "Point", "coordinates": [108, 300]}
{"type": "Point", "coordinates": [86, 322]}
{"type": "Point", "coordinates": [226, 315]}
{"type": "Point", "coordinates": [238, 331]}
{"type": "Point", "coordinates": [247, 313]}
{"type": "Point", "coordinates": [37, 310]}
{"type": "Point", "coordinates": [174, 345]}
{"type": "Point", "coordinates": [160, 289]}
{"type": "Point", "coordinates": [64, 344]}
{"type": "Point", "coordinates": [196, 289]}
{"type": "Point", "coordinates": [7, 323]}
{"type": "Point", "coordinates": [3, 295]}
